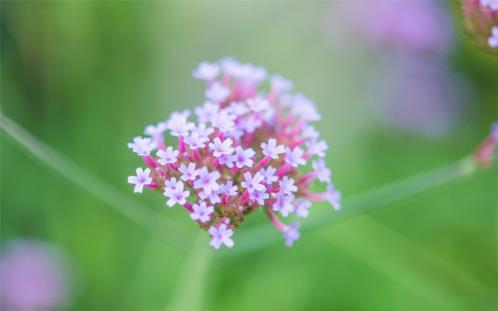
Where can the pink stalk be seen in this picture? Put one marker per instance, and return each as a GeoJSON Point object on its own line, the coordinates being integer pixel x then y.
{"type": "Point", "coordinates": [298, 142]}
{"type": "Point", "coordinates": [307, 178]}
{"type": "Point", "coordinates": [234, 170]}
{"type": "Point", "coordinates": [307, 155]}
{"type": "Point", "coordinates": [248, 139]}
{"type": "Point", "coordinates": [160, 142]}
{"type": "Point", "coordinates": [173, 166]}
{"type": "Point", "coordinates": [297, 129]}
{"type": "Point", "coordinates": [274, 219]}
{"type": "Point", "coordinates": [262, 163]}
{"type": "Point", "coordinates": [316, 196]}
{"type": "Point", "coordinates": [197, 156]}
{"type": "Point", "coordinates": [181, 145]}
{"type": "Point", "coordinates": [149, 161]}
{"type": "Point", "coordinates": [224, 199]}
{"type": "Point", "coordinates": [188, 207]}
{"type": "Point", "coordinates": [284, 170]}
{"type": "Point", "coordinates": [152, 186]}
{"type": "Point", "coordinates": [288, 120]}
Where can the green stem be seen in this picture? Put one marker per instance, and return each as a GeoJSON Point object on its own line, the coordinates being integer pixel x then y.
{"type": "Point", "coordinates": [135, 211]}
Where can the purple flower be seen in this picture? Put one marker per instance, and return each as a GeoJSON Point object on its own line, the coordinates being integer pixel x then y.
{"type": "Point", "coordinates": [334, 197]}
{"type": "Point", "coordinates": [259, 196]}
{"type": "Point", "coordinates": [142, 146]}
{"type": "Point", "coordinates": [321, 170]}
{"type": "Point", "coordinates": [283, 204]}
{"type": "Point", "coordinates": [269, 175]}
{"type": "Point", "coordinates": [271, 149]}
{"type": "Point", "coordinates": [301, 208]}
{"type": "Point", "coordinates": [287, 185]}
{"type": "Point", "coordinates": [202, 212]}
{"type": "Point", "coordinates": [245, 138]}
{"type": "Point", "coordinates": [221, 147]}
{"type": "Point", "coordinates": [291, 234]}
{"type": "Point", "coordinates": [207, 181]}
{"type": "Point", "coordinates": [243, 157]}
{"type": "Point", "coordinates": [176, 193]}
{"type": "Point", "coordinates": [317, 147]}
{"type": "Point", "coordinates": [294, 157]}
{"type": "Point", "coordinates": [252, 183]}
{"type": "Point", "coordinates": [492, 4]}
{"type": "Point", "coordinates": [206, 71]}
{"type": "Point", "coordinates": [140, 180]}
{"type": "Point", "coordinates": [228, 189]}
{"type": "Point", "coordinates": [221, 235]}
{"type": "Point", "coordinates": [34, 276]}
{"type": "Point", "coordinates": [217, 93]}
{"type": "Point", "coordinates": [189, 173]}
{"type": "Point", "coordinates": [167, 156]}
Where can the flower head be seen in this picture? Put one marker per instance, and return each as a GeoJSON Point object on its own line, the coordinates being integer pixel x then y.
{"type": "Point", "coordinates": [247, 149]}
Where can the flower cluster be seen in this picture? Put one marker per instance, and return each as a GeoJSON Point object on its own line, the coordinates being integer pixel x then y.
{"type": "Point", "coordinates": [248, 149]}
{"type": "Point", "coordinates": [481, 17]}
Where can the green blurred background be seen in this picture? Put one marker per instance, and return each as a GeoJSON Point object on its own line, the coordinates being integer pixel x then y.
{"type": "Point", "coordinates": [86, 77]}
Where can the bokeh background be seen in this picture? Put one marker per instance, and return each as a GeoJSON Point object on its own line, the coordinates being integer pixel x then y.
{"type": "Point", "coordinates": [401, 87]}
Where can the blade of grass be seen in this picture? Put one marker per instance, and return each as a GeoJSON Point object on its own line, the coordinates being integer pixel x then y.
{"type": "Point", "coordinates": [191, 289]}
{"type": "Point", "coordinates": [410, 265]}
{"type": "Point", "coordinates": [102, 190]}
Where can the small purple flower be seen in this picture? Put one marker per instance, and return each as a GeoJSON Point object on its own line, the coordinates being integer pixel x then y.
{"type": "Point", "coordinates": [317, 147]}
{"type": "Point", "coordinates": [195, 140]}
{"type": "Point", "coordinates": [167, 156]}
{"type": "Point", "coordinates": [189, 173]}
{"type": "Point", "coordinates": [283, 204]}
{"type": "Point", "coordinates": [227, 160]}
{"type": "Point", "coordinates": [493, 39]}
{"type": "Point", "coordinates": [243, 157]}
{"type": "Point", "coordinates": [213, 196]}
{"type": "Point", "coordinates": [271, 149]}
{"type": "Point", "coordinates": [140, 180]}
{"type": "Point", "coordinates": [301, 208]}
{"type": "Point", "coordinates": [207, 181]}
{"type": "Point", "coordinates": [304, 108]}
{"type": "Point", "coordinates": [253, 183]}
{"type": "Point", "coordinates": [258, 104]}
{"type": "Point", "coordinates": [223, 121]}
{"type": "Point", "coordinates": [280, 84]}
{"type": "Point", "coordinates": [207, 112]}
{"type": "Point", "coordinates": [295, 157]}
{"type": "Point", "coordinates": [176, 194]}
{"type": "Point", "coordinates": [291, 234]}
{"type": "Point", "coordinates": [221, 147]}
{"type": "Point", "coordinates": [206, 71]}
{"type": "Point", "coordinates": [259, 196]}
{"type": "Point", "coordinates": [321, 170]}
{"type": "Point", "coordinates": [155, 131]}
{"type": "Point", "coordinates": [142, 146]}
{"type": "Point", "coordinates": [202, 212]}
{"type": "Point", "coordinates": [221, 235]}
{"type": "Point", "coordinates": [269, 175]}
{"type": "Point", "coordinates": [249, 124]}
{"type": "Point", "coordinates": [334, 197]}
{"type": "Point", "coordinates": [228, 189]}
{"type": "Point", "coordinates": [178, 125]}
{"type": "Point", "coordinates": [287, 185]}
{"type": "Point", "coordinates": [217, 93]}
